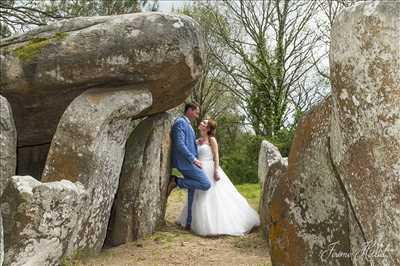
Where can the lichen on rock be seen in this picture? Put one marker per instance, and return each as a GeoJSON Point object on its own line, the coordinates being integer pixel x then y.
{"type": "Point", "coordinates": [140, 203]}
{"type": "Point", "coordinates": [8, 143]}
{"type": "Point", "coordinates": [341, 194]}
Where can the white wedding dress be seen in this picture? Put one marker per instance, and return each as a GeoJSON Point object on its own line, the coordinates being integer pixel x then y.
{"type": "Point", "coordinates": [221, 210]}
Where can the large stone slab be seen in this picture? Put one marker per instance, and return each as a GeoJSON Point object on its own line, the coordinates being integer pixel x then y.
{"type": "Point", "coordinates": [308, 211]}
{"type": "Point", "coordinates": [365, 74]}
{"type": "Point", "coordinates": [339, 204]}
{"type": "Point", "coordinates": [139, 207]}
{"type": "Point", "coordinates": [271, 167]}
{"type": "Point", "coordinates": [1, 241]}
{"type": "Point", "coordinates": [276, 171]}
{"type": "Point", "coordinates": [89, 147]}
{"type": "Point", "coordinates": [8, 143]}
{"type": "Point", "coordinates": [41, 220]}
{"type": "Point", "coordinates": [43, 70]}
{"type": "Point", "coordinates": [87, 150]}
{"type": "Point", "coordinates": [268, 154]}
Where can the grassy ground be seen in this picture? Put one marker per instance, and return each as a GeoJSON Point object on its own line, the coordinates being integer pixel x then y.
{"type": "Point", "coordinates": [251, 192]}
{"type": "Point", "coordinates": [173, 246]}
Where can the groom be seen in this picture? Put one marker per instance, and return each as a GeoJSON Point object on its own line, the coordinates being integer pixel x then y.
{"type": "Point", "coordinates": [184, 157]}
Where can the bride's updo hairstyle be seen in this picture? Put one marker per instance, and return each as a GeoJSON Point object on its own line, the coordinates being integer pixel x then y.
{"type": "Point", "coordinates": [212, 127]}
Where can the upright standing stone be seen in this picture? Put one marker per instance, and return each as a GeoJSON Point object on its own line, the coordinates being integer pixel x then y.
{"type": "Point", "coordinates": [268, 154]}
{"type": "Point", "coordinates": [41, 220]}
{"type": "Point", "coordinates": [308, 211]}
{"type": "Point", "coordinates": [8, 143]}
{"type": "Point", "coordinates": [340, 201]}
{"type": "Point", "coordinates": [365, 74]}
{"type": "Point", "coordinates": [140, 203]}
{"type": "Point", "coordinates": [89, 147]}
{"type": "Point", "coordinates": [1, 241]}
{"type": "Point", "coordinates": [45, 221]}
{"type": "Point", "coordinates": [271, 167]}
{"type": "Point", "coordinates": [276, 171]}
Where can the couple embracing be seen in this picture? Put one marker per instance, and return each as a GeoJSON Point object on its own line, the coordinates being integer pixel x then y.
{"type": "Point", "coordinates": [213, 205]}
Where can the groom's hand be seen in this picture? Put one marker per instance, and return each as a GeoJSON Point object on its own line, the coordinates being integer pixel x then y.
{"type": "Point", "coordinates": [198, 163]}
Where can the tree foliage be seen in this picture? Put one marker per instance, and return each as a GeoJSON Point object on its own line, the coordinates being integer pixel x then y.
{"type": "Point", "coordinates": [210, 92]}
{"type": "Point", "coordinates": [328, 10]}
{"type": "Point", "coordinates": [263, 53]}
{"type": "Point", "coordinates": [268, 49]}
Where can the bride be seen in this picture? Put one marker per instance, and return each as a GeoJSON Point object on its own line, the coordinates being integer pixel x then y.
{"type": "Point", "coordinates": [221, 210]}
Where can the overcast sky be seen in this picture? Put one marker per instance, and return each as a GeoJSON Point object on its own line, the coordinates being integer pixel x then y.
{"type": "Point", "coordinates": [167, 5]}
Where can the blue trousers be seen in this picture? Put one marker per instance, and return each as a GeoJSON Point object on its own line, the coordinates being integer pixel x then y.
{"type": "Point", "coordinates": [192, 179]}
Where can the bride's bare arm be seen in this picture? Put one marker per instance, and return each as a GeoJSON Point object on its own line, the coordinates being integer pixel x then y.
{"type": "Point", "coordinates": [214, 149]}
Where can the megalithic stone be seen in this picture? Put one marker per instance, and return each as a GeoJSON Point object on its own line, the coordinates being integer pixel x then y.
{"type": "Point", "coordinates": [140, 203]}
{"type": "Point", "coordinates": [45, 221]}
{"type": "Point", "coordinates": [89, 147]}
{"type": "Point", "coordinates": [8, 143]}
{"type": "Point", "coordinates": [268, 154]}
{"type": "Point", "coordinates": [365, 74]}
{"type": "Point", "coordinates": [43, 70]}
{"type": "Point", "coordinates": [307, 209]}
{"type": "Point", "coordinates": [271, 168]}
{"type": "Point", "coordinates": [40, 220]}
{"type": "Point", "coordinates": [1, 241]}
{"type": "Point", "coordinates": [340, 201]}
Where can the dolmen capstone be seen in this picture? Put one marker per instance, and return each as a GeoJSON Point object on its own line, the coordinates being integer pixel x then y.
{"type": "Point", "coordinates": [77, 86]}
{"type": "Point", "coordinates": [43, 70]}
{"type": "Point", "coordinates": [339, 203]}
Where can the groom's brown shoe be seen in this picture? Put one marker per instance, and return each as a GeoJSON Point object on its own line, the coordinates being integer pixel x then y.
{"type": "Point", "coordinates": [187, 227]}
{"type": "Point", "coordinates": [171, 184]}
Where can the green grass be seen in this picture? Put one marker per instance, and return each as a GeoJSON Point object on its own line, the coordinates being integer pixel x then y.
{"type": "Point", "coordinates": [251, 192]}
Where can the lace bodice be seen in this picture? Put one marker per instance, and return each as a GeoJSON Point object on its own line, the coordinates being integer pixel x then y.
{"type": "Point", "coordinates": [205, 152]}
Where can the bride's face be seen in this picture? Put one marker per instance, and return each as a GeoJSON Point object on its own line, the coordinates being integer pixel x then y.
{"type": "Point", "coordinates": [203, 126]}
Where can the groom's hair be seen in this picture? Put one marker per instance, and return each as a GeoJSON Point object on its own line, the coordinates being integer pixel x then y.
{"type": "Point", "coordinates": [191, 105]}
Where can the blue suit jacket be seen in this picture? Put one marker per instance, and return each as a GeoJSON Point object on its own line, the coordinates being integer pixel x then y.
{"type": "Point", "coordinates": [184, 147]}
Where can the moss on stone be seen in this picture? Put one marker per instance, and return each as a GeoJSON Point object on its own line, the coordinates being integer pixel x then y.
{"type": "Point", "coordinates": [60, 36]}
{"type": "Point", "coordinates": [34, 46]}
{"type": "Point", "coordinates": [31, 49]}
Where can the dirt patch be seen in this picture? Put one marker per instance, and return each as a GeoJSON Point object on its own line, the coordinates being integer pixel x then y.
{"type": "Point", "coordinates": [171, 245]}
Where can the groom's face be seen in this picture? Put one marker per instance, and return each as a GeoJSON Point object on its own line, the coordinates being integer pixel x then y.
{"type": "Point", "coordinates": [193, 113]}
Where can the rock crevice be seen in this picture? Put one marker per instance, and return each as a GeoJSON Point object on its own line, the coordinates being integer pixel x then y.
{"type": "Point", "coordinates": [345, 192]}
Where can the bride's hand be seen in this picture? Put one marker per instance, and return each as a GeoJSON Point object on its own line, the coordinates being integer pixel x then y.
{"type": "Point", "coordinates": [216, 176]}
